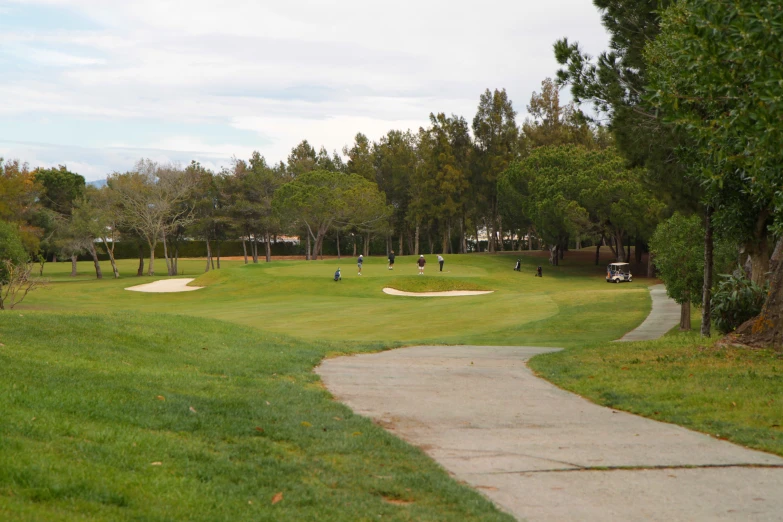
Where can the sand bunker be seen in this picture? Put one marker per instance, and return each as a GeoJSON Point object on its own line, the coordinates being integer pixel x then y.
{"type": "Point", "coordinates": [450, 293]}
{"type": "Point", "coordinates": [165, 286]}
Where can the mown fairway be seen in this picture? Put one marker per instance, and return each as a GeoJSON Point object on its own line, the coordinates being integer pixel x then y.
{"type": "Point", "coordinates": [569, 306]}
{"type": "Point", "coordinates": [115, 408]}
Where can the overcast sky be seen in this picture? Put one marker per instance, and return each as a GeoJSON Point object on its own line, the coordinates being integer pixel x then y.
{"type": "Point", "coordinates": [98, 84]}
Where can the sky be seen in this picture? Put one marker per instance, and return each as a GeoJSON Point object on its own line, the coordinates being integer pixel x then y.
{"type": "Point", "coordinates": [97, 84]}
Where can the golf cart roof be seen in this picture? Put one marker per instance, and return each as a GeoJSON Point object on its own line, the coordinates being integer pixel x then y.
{"type": "Point", "coordinates": [618, 264]}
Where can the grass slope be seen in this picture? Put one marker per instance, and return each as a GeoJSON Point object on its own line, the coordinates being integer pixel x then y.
{"type": "Point", "coordinates": [729, 393]}
{"type": "Point", "coordinates": [232, 415]}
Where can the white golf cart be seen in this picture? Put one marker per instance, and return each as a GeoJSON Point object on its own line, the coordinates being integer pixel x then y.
{"type": "Point", "coordinates": [618, 272]}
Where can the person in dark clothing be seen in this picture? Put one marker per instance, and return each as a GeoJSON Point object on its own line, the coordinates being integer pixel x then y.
{"type": "Point", "coordinates": [421, 262]}
{"type": "Point", "coordinates": [518, 266]}
{"type": "Point", "coordinates": [338, 276]}
{"type": "Point", "coordinates": [391, 260]}
{"type": "Point", "coordinates": [359, 263]}
{"type": "Point", "coordinates": [440, 262]}
{"type": "Point", "coordinates": [539, 272]}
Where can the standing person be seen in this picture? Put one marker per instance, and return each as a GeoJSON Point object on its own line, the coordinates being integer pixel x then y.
{"type": "Point", "coordinates": [421, 262]}
{"type": "Point", "coordinates": [440, 262]}
{"type": "Point", "coordinates": [391, 260]}
{"type": "Point", "coordinates": [518, 266]}
{"type": "Point", "coordinates": [359, 263]}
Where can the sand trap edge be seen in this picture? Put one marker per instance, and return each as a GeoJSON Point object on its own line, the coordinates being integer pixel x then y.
{"type": "Point", "coordinates": [449, 293]}
{"type": "Point", "coordinates": [165, 286]}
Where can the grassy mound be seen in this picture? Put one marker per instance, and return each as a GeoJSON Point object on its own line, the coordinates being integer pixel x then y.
{"type": "Point", "coordinates": [432, 284]}
{"type": "Point", "coordinates": [134, 416]}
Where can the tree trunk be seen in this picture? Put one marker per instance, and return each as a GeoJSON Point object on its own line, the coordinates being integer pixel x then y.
{"type": "Point", "coordinates": [209, 256]}
{"type": "Point", "coordinates": [553, 254]}
{"type": "Point", "coordinates": [74, 257]}
{"type": "Point", "coordinates": [639, 250]}
{"type": "Point", "coordinates": [618, 238]}
{"type": "Point", "coordinates": [151, 269]}
{"type": "Point", "coordinates": [367, 245]}
{"type": "Point", "coordinates": [218, 255]}
{"type": "Point", "coordinates": [445, 243]}
{"type": "Point", "coordinates": [429, 241]}
{"type": "Point", "coordinates": [766, 330]}
{"type": "Point", "coordinates": [706, 298]}
{"type": "Point", "coordinates": [650, 265]}
{"type": "Point", "coordinates": [254, 247]}
{"type": "Point", "coordinates": [354, 245]}
{"type": "Point", "coordinates": [478, 241]}
{"type": "Point", "coordinates": [530, 239]}
{"type": "Point", "coordinates": [268, 247]}
{"type": "Point", "coordinates": [307, 248]}
{"type": "Point", "coordinates": [113, 261]}
{"type": "Point", "coordinates": [399, 252]}
{"type": "Point", "coordinates": [176, 258]}
{"type": "Point", "coordinates": [685, 316]}
{"type": "Point", "coordinates": [94, 254]}
{"type": "Point", "coordinates": [166, 254]}
{"type": "Point", "coordinates": [628, 255]}
{"type": "Point", "coordinates": [597, 254]}
{"type": "Point", "coordinates": [416, 242]}
{"type": "Point", "coordinates": [338, 245]}
{"type": "Point", "coordinates": [244, 248]}
{"type": "Point", "coordinates": [140, 271]}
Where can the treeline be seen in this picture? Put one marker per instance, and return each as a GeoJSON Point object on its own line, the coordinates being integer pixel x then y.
{"type": "Point", "coordinates": [435, 189]}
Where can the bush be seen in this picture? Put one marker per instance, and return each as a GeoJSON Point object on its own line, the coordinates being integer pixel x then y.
{"type": "Point", "coordinates": [736, 300]}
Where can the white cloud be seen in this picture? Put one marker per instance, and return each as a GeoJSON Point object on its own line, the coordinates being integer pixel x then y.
{"type": "Point", "coordinates": [314, 69]}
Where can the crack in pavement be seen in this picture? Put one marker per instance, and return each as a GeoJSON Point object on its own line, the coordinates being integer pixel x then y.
{"type": "Point", "coordinates": [630, 468]}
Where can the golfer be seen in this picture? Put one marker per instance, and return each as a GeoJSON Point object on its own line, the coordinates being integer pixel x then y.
{"type": "Point", "coordinates": [421, 262]}
{"type": "Point", "coordinates": [440, 262]}
{"type": "Point", "coordinates": [391, 260]}
{"type": "Point", "coordinates": [359, 263]}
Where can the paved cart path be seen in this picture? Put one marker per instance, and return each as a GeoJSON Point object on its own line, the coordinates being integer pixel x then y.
{"type": "Point", "coordinates": [664, 315]}
{"type": "Point", "coordinates": [543, 453]}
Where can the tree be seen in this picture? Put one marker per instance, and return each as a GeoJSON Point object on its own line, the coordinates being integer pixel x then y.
{"type": "Point", "coordinates": [154, 200]}
{"type": "Point", "coordinates": [301, 160]}
{"type": "Point", "coordinates": [15, 268]}
{"type": "Point", "coordinates": [395, 160]}
{"type": "Point", "coordinates": [679, 256]}
{"type": "Point", "coordinates": [553, 124]}
{"type": "Point", "coordinates": [718, 80]}
{"type": "Point", "coordinates": [60, 188]}
{"type": "Point", "coordinates": [360, 158]}
{"type": "Point", "coordinates": [317, 200]}
{"type": "Point", "coordinates": [496, 134]}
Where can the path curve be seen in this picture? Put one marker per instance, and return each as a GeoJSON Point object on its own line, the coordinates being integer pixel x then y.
{"type": "Point", "coordinates": [664, 315]}
{"type": "Point", "coordinates": [165, 286]}
{"type": "Point", "coordinates": [449, 293]}
{"type": "Point", "coordinates": [543, 453]}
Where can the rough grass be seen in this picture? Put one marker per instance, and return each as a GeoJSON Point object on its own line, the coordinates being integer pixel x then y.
{"type": "Point", "coordinates": [139, 417]}
{"type": "Point", "coordinates": [729, 393]}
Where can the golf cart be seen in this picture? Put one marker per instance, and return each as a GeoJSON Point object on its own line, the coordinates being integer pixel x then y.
{"type": "Point", "coordinates": [617, 272]}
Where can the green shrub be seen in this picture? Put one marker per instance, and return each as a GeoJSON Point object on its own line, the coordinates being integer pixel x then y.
{"type": "Point", "coordinates": [736, 300]}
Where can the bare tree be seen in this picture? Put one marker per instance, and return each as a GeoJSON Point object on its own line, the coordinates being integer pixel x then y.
{"type": "Point", "coordinates": [17, 283]}
{"type": "Point", "coordinates": [154, 200]}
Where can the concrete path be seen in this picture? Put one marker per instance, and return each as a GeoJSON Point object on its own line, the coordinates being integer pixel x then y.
{"type": "Point", "coordinates": [664, 316]}
{"type": "Point", "coordinates": [165, 286]}
{"type": "Point", "coordinates": [542, 453]}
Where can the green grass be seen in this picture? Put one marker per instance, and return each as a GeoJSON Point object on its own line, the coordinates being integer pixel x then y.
{"type": "Point", "coordinates": [90, 402]}
{"type": "Point", "coordinates": [83, 362]}
{"type": "Point", "coordinates": [729, 393]}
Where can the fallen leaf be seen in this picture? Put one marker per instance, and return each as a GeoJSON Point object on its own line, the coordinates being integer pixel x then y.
{"type": "Point", "coordinates": [356, 433]}
{"type": "Point", "coordinates": [259, 429]}
{"type": "Point", "coordinates": [249, 501]}
{"type": "Point", "coordinates": [205, 348]}
{"type": "Point", "coordinates": [267, 403]}
{"type": "Point", "coordinates": [733, 403]}
{"type": "Point", "coordinates": [397, 501]}
{"type": "Point", "coordinates": [488, 488]}
{"type": "Point", "coordinates": [193, 409]}
{"type": "Point", "coordinates": [156, 464]}
{"type": "Point", "coordinates": [161, 398]}
{"type": "Point", "coordinates": [306, 424]}
{"type": "Point", "coordinates": [337, 418]}
{"type": "Point", "coordinates": [33, 418]}
{"type": "Point", "coordinates": [277, 498]}
{"type": "Point", "coordinates": [1, 344]}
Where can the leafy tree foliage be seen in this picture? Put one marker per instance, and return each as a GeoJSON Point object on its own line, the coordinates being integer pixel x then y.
{"type": "Point", "coordinates": [679, 256]}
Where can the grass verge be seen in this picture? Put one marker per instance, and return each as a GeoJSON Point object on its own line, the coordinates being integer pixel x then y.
{"type": "Point", "coordinates": [131, 416]}
{"type": "Point", "coordinates": [729, 393]}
